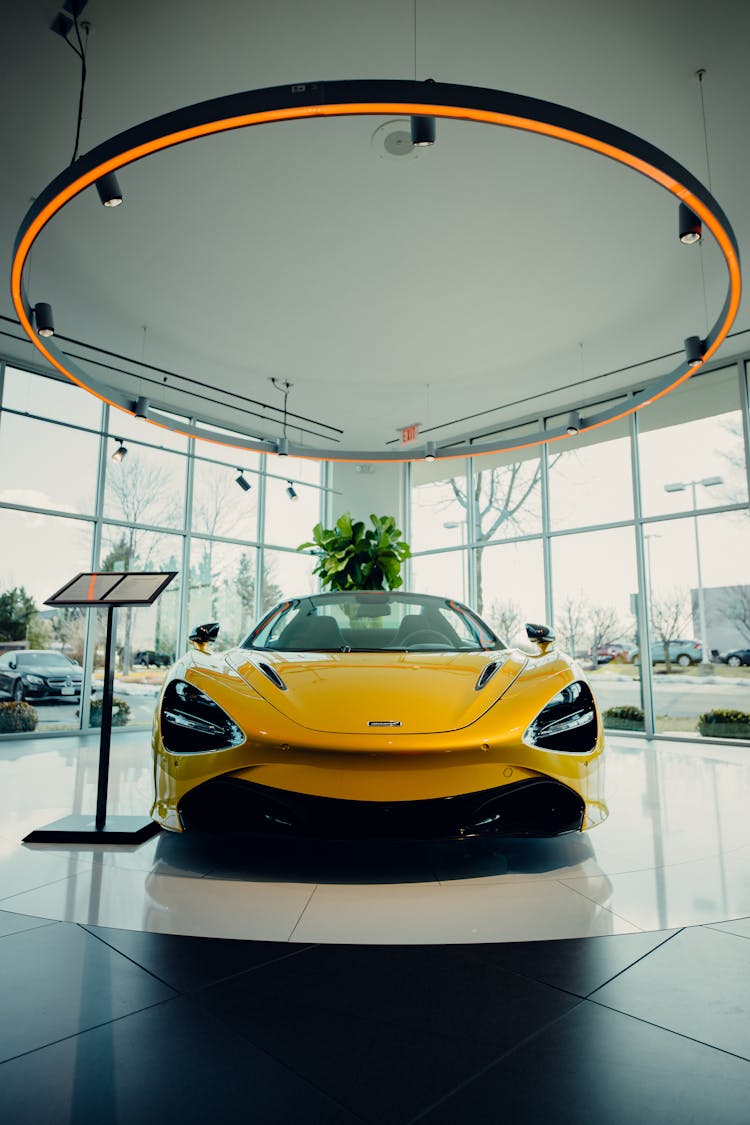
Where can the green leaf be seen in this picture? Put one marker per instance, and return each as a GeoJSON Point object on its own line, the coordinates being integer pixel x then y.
{"type": "Point", "coordinates": [351, 557]}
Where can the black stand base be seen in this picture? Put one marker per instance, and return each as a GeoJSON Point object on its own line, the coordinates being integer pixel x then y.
{"type": "Point", "coordinates": [77, 829]}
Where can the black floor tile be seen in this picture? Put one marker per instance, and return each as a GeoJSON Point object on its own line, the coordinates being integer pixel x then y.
{"type": "Point", "coordinates": [578, 965]}
{"type": "Point", "coordinates": [598, 1065]}
{"type": "Point", "coordinates": [15, 923]}
{"type": "Point", "coordinates": [188, 963]}
{"type": "Point", "coordinates": [384, 1030]}
{"type": "Point", "coordinates": [697, 984]}
{"type": "Point", "coordinates": [57, 980]}
{"type": "Point", "coordinates": [171, 1062]}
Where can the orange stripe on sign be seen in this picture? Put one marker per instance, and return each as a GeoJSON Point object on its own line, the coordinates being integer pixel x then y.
{"type": "Point", "coordinates": [92, 586]}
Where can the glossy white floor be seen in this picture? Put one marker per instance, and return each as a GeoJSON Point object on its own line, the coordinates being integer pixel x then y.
{"type": "Point", "coordinates": [674, 852]}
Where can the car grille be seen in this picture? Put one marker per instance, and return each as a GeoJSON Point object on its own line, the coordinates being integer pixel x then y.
{"type": "Point", "coordinates": [535, 807]}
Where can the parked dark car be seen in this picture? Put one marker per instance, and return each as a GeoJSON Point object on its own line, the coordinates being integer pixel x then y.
{"type": "Point", "coordinates": [39, 674]}
{"type": "Point", "coordinates": [153, 659]}
{"type": "Point", "coordinates": [736, 657]}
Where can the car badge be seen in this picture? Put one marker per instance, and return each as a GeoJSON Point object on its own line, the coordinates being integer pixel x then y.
{"type": "Point", "coordinates": [384, 723]}
{"type": "Point", "coordinates": [68, 682]}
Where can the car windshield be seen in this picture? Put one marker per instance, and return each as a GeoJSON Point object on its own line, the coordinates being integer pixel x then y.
{"type": "Point", "coordinates": [48, 659]}
{"type": "Point", "coordinates": [372, 622]}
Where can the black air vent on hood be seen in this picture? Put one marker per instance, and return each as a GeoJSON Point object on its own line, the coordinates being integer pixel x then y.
{"type": "Point", "coordinates": [271, 675]}
{"type": "Point", "coordinates": [486, 674]}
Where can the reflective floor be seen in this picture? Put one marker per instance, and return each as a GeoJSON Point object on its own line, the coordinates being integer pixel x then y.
{"type": "Point", "coordinates": [674, 852]}
{"type": "Point", "coordinates": [383, 986]}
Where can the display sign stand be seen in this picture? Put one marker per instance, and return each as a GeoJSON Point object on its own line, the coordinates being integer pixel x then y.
{"type": "Point", "coordinates": [105, 591]}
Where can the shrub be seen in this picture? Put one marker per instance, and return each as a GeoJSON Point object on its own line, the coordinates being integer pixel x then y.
{"type": "Point", "coordinates": [623, 718]}
{"type": "Point", "coordinates": [120, 712]}
{"type": "Point", "coordinates": [17, 716]}
{"type": "Point", "coordinates": [724, 724]}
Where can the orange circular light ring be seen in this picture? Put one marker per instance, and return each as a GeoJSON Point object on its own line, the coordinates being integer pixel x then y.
{"type": "Point", "coordinates": [381, 98]}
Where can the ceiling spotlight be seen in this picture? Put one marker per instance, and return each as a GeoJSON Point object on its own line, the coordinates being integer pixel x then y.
{"type": "Point", "coordinates": [141, 407]}
{"type": "Point", "coordinates": [574, 423]}
{"type": "Point", "coordinates": [45, 325]}
{"type": "Point", "coordinates": [290, 491]}
{"type": "Point", "coordinates": [244, 484]}
{"type": "Point", "coordinates": [429, 451]}
{"type": "Point", "coordinates": [691, 228]}
{"type": "Point", "coordinates": [121, 452]}
{"type": "Point", "coordinates": [109, 190]}
{"type": "Point", "coordinates": [422, 131]}
{"type": "Point", "coordinates": [694, 350]}
{"type": "Point", "coordinates": [282, 447]}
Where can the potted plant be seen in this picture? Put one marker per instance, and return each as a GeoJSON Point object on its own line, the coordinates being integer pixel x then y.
{"type": "Point", "coordinates": [17, 716]}
{"type": "Point", "coordinates": [623, 718]}
{"type": "Point", "coordinates": [120, 712]}
{"type": "Point", "coordinates": [724, 724]}
{"type": "Point", "coordinates": [352, 558]}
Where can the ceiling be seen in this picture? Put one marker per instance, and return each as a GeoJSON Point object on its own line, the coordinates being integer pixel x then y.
{"type": "Point", "coordinates": [464, 287]}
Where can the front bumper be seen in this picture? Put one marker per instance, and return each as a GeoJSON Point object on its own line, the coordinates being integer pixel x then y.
{"type": "Point", "coordinates": [532, 807]}
{"type": "Point", "coordinates": [49, 693]}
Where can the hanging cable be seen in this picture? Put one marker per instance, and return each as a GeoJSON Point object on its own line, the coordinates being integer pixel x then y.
{"type": "Point", "coordinates": [700, 74]}
{"type": "Point", "coordinates": [61, 25]}
{"type": "Point", "coordinates": [415, 40]}
{"type": "Point", "coordinates": [285, 389]}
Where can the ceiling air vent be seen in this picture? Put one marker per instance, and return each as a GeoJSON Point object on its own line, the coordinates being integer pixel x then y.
{"type": "Point", "coordinates": [272, 675]}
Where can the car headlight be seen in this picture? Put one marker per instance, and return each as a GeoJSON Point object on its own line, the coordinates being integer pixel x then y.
{"type": "Point", "coordinates": [192, 722]}
{"type": "Point", "coordinates": [567, 723]}
{"type": "Point", "coordinates": [32, 679]}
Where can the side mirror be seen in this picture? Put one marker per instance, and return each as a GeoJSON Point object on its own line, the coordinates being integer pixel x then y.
{"type": "Point", "coordinates": [542, 634]}
{"type": "Point", "coordinates": [11, 663]}
{"type": "Point", "coordinates": [203, 635]}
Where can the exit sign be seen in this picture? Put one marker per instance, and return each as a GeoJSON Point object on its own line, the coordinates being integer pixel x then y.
{"type": "Point", "coordinates": [409, 433]}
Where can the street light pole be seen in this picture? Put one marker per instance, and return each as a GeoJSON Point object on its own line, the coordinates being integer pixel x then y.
{"type": "Point", "coordinates": [680, 486]}
{"type": "Point", "coordinates": [452, 525]}
{"type": "Point", "coordinates": [701, 598]}
{"type": "Point", "coordinates": [647, 540]}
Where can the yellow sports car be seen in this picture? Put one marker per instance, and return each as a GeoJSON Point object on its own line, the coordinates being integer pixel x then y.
{"type": "Point", "coordinates": [377, 714]}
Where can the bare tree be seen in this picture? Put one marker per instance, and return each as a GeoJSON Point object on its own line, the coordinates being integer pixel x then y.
{"type": "Point", "coordinates": [505, 618]}
{"type": "Point", "coordinates": [143, 496]}
{"type": "Point", "coordinates": [736, 609]}
{"type": "Point", "coordinates": [216, 511]}
{"type": "Point", "coordinates": [499, 496]}
{"type": "Point", "coordinates": [603, 625]}
{"type": "Point", "coordinates": [670, 616]}
{"type": "Point", "coordinates": [570, 623]}
{"type": "Point", "coordinates": [732, 451]}
{"type": "Point", "coordinates": [142, 492]}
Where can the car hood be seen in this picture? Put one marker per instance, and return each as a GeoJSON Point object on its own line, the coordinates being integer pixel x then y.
{"type": "Point", "coordinates": [51, 672]}
{"type": "Point", "coordinates": [376, 693]}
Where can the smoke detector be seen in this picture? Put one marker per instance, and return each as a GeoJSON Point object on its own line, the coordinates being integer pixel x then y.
{"type": "Point", "coordinates": [392, 139]}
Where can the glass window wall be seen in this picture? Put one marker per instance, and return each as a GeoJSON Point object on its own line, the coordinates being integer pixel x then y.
{"type": "Point", "coordinates": [439, 504]}
{"type": "Point", "coordinates": [136, 518]}
{"type": "Point", "coordinates": [40, 553]}
{"type": "Point", "coordinates": [510, 588]}
{"type": "Point", "coordinates": [699, 622]}
{"type": "Point", "coordinates": [292, 508]}
{"type": "Point", "coordinates": [589, 476]}
{"type": "Point", "coordinates": [691, 446]}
